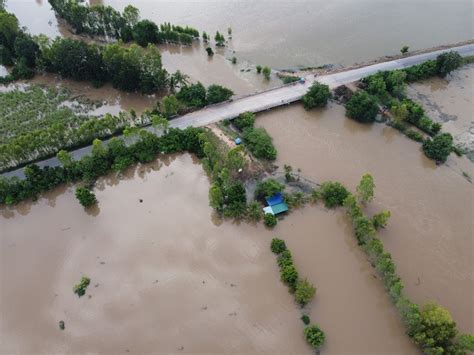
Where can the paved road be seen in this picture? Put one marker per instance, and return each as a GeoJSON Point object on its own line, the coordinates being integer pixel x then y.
{"type": "Point", "coordinates": [276, 97]}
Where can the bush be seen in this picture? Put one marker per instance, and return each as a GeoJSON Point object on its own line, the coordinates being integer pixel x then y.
{"type": "Point", "coordinates": [317, 96]}
{"type": "Point", "coordinates": [314, 336]}
{"type": "Point", "coordinates": [258, 68]}
{"type": "Point", "coordinates": [217, 93]}
{"type": "Point", "coordinates": [254, 211]}
{"type": "Point", "coordinates": [305, 318]}
{"type": "Point", "coordinates": [304, 292]}
{"type": "Point", "coordinates": [284, 259]}
{"type": "Point", "coordinates": [362, 107]}
{"type": "Point", "coordinates": [244, 120]}
{"type": "Point", "coordinates": [289, 275]}
{"type": "Point", "coordinates": [268, 188]}
{"type": "Point", "coordinates": [80, 288]}
{"type": "Point", "coordinates": [439, 147]}
{"type": "Point", "coordinates": [259, 143]}
{"type": "Point", "coordinates": [278, 246]}
{"type": "Point", "coordinates": [333, 194]}
{"type": "Point", "coordinates": [380, 219]}
{"type": "Point", "coordinates": [447, 62]}
{"type": "Point", "coordinates": [270, 220]}
{"type": "Point", "coordinates": [267, 72]}
{"type": "Point", "coordinates": [85, 197]}
{"type": "Point", "coordinates": [414, 135]}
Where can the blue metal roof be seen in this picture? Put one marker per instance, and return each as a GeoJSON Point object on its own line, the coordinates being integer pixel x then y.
{"type": "Point", "coordinates": [275, 199]}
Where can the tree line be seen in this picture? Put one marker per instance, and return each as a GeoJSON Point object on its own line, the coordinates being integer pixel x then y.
{"type": "Point", "coordinates": [105, 21]}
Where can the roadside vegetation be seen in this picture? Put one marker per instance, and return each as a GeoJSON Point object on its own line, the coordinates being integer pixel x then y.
{"type": "Point", "coordinates": [317, 96]}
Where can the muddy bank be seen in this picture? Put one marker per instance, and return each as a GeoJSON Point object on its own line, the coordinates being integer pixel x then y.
{"type": "Point", "coordinates": [430, 231]}
{"type": "Point", "coordinates": [166, 275]}
{"type": "Point", "coordinates": [450, 101]}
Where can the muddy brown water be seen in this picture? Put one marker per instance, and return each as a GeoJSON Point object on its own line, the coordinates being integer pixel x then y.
{"type": "Point", "coordinates": [431, 228]}
{"type": "Point", "coordinates": [285, 34]}
{"type": "Point", "coordinates": [450, 102]}
{"type": "Point", "coordinates": [166, 278]}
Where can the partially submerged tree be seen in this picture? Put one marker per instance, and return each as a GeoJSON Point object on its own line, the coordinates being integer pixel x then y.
{"type": "Point", "coordinates": [317, 96]}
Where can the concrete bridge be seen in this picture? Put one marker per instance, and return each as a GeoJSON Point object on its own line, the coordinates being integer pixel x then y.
{"type": "Point", "coordinates": [282, 95]}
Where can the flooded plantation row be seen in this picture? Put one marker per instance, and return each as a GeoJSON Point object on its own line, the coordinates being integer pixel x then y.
{"type": "Point", "coordinates": [430, 231]}
{"type": "Point", "coordinates": [165, 276]}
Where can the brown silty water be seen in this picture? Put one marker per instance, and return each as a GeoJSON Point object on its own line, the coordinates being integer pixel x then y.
{"type": "Point", "coordinates": [450, 102]}
{"type": "Point", "coordinates": [431, 228]}
{"type": "Point", "coordinates": [166, 278]}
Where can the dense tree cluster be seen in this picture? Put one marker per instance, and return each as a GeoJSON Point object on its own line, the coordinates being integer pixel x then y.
{"type": "Point", "coordinates": [317, 96]}
{"type": "Point", "coordinates": [362, 107]}
{"type": "Point", "coordinates": [106, 21]}
{"type": "Point", "coordinates": [439, 147]}
{"type": "Point", "coordinates": [196, 95]}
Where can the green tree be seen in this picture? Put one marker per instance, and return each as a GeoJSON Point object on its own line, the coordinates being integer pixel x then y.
{"type": "Point", "coordinates": [447, 62]}
{"type": "Point", "coordinates": [235, 159]}
{"type": "Point", "coordinates": [170, 106]}
{"type": "Point", "coordinates": [270, 220]}
{"type": "Point", "coordinates": [160, 123]}
{"type": "Point", "coordinates": [85, 197]}
{"type": "Point", "coordinates": [400, 112]}
{"type": "Point", "coordinates": [254, 211]}
{"type": "Point", "coordinates": [395, 82]}
{"type": "Point", "coordinates": [9, 29]}
{"type": "Point", "coordinates": [277, 246]}
{"type": "Point", "coordinates": [178, 80]}
{"type": "Point", "coordinates": [219, 38]}
{"type": "Point", "coordinates": [259, 68]}
{"type": "Point", "coordinates": [362, 107]}
{"type": "Point", "coordinates": [131, 15]}
{"type": "Point", "coordinates": [289, 275]}
{"type": "Point", "coordinates": [404, 49]}
{"type": "Point", "coordinates": [259, 142]}
{"type": "Point", "coordinates": [80, 288]}
{"type": "Point", "coordinates": [267, 72]}
{"type": "Point", "coordinates": [317, 96]}
{"type": "Point", "coordinates": [304, 292]}
{"type": "Point", "coordinates": [193, 95]}
{"type": "Point", "coordinates": [314, 336]}
{"type": "Point", "coordinates": [234, 60]}
{"type": "Point", "coordinates": [268, 188]}
{"type": "Point", "coordinates": [244, 120]}
{"type": "Point", "coordinates": [209, 51]}
{"type": "Point", "coordinates": [333, 193]}
{"type": "Point", "coordinates": [216, 198]}
{"type": "Point", "coordinates": [145, 32]}
{"type": "Point", "coordinates": [376, 86]}
{"type": "Point", "coordinates": [64, 158]}
{"type": "Point", "coordinates": [25, 47]}
{"type": "Point", "coordinates": [380, 220]}
{"type": "Point", "coordinates": [366, 188]}
{"type": "Point", "coordinates": [439, 147]}
{"type": "Point", "coordinates": [217, 93]}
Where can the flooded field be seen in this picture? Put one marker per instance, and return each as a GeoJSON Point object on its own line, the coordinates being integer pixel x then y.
{"type": "Point", "coordinates": [165, 277]}
{"type": "Point", "coordinates": [450, 101]}
{"type": "Point", "coordinates": [430, 231]}
{"type": "Point", "coordinates": [286, 34]}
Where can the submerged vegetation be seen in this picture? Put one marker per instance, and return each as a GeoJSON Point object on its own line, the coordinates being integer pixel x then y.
{"type": "Point", "coordinates": [80, 288]}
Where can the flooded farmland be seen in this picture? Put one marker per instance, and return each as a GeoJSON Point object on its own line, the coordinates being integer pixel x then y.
{"type": "Point", "coordinates": [430, 231]}
{"type": "Point", "coordinates": [164, 276]}
{"type": "Point", "coordinates": [450, 102]}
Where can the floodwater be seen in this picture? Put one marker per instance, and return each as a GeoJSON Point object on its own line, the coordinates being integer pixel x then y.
{"type": "Point", "coordinates": [168, 277]}
{"type": "Point", "coordinates": [285, 34]}
{"type": "Point", "coordinates": [431, 228]}
{"type": "Point", "coordinates": [450, 102]}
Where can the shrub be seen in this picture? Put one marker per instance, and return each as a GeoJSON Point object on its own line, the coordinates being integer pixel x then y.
{"type": "Point", "coordinates": [284, 259]}
{"type": "Point", "coordinates": [380, 219]}
{"type": "Point", "coordinates": [333, 194]}
{"type": "Point", "coordinates": [304, 292]}
{"type": "Point", "coordinates": [259, 143]}
{"type": "Point", "coordinates": [80, 288]}
{"type": "Point", "coordinates": [447, 62]}
{"type": "Point", "coordinates": [234, 60]}
{"type": "Point", "coordinates": [266, 72]}
{"type": "Point", "coordinates": [289, 275]}
{"type": "Point", "coordinates": [314, 336]}
{"type": "Point", "coordinates": [439, 147]}
{"type": "Point", "coordinates": [270, 220]}
{"type": "Point", "coordinates": [259, 68]}
{"type": "Point", "coordinates": [362, 107]}
{"type": "Point", "coordinates": [366, 187]}
{"type": "Point", "coordinates": [217, 93]}
{"type": "Point", "coordinates": [404, 49]}
{"type": "Point", "coordinates": [254, 211]}
{"type": "Point", "coordinates": [414, 135]}
{"type": "Point", "coordinates": [317, 96]}
{"type": "Point", "coordinates": [244, 120]}
{"type": "Point", "coordinates": [268, 188]}
{"type": "Point", "coordinates": [305, 318]}
{"type": "Point", "coordinates": [278, 246]}
{"type": "Point", "coordinates": [85, 196]}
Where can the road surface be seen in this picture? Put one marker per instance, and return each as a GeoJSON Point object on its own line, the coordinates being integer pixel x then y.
{"type": "Point", "coordinates": [282, 95]}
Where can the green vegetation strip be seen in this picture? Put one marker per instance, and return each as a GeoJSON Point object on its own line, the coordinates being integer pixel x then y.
{"type": "Point", "coordinates": [303, 290]}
